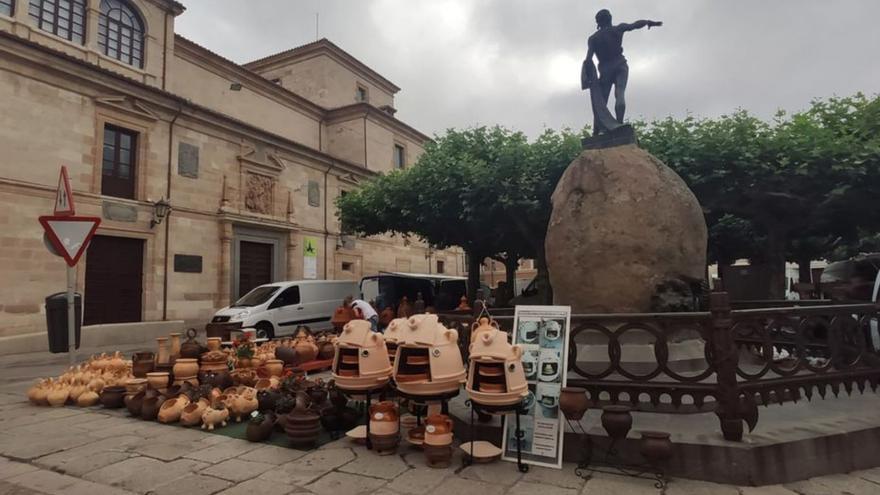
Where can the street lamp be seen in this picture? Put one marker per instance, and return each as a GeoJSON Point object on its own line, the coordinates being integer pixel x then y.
{"type": "Point", "coordinates": [161, 209]}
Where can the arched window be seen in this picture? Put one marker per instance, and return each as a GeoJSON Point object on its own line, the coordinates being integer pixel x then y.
{"type": "Point", "coordinates": [64, 18]}
{"type": "Point", "coordinates": [121, 32]}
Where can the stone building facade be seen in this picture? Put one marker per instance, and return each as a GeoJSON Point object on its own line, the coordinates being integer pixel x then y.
{"type": "Point", "coordinates": [250, 157]}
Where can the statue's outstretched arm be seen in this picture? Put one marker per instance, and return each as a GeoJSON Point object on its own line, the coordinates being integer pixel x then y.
{"type": "Point", "coordinates": [639, 25]}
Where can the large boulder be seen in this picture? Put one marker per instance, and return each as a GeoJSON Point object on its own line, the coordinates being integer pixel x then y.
{"type": "Point", "coordinates": [624, 228]}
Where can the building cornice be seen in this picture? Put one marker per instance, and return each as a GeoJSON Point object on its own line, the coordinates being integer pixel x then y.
{"type": "Point", "coordinates": [331, 50]}
{"type": "Point", "coordinates": [171, 6]}
{"type": "Point", "coordinates": [51, 60]}
{"type": "Point", "coordinates": [361, 110]}
{"type": "Point", "coordinates": [218, 64]}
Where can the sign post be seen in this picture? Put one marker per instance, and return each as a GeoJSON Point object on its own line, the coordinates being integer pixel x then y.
{"type": "Point", "coordinates": [69, 235]}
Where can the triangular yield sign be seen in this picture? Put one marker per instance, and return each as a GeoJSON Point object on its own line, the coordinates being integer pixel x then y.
{"type": "Point", "coordinates": [64, 196]}
{"type": "Point", "coordinates": [70, 235]}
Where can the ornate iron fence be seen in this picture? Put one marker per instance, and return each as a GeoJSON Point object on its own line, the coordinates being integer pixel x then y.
{"type": "Point", "coordinates": [745, 357]}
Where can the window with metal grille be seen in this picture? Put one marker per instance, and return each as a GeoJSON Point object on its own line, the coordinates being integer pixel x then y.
{"type": "Point", "coordinates": [399, 156]}
{"type": "Point", "coordinates": [121, 32]}
{"type": "Point", "coordinates": [6, 7]}
{"type": "Point", "coordinates": [64, 18]}
{"type": "Point", "coordinates": [118, 162]}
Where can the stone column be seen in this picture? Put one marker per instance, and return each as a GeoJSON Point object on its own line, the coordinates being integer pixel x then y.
{"type": "Point", "coordinates": [22, 19]}
{"type": "Point", "coordinates": [225, 269]}
{"type": "Point", "coordinates": [93, 11]}
{"type": "Point", "coordinates": [292, 258]}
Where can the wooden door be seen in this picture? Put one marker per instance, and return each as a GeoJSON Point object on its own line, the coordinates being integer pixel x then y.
{"type": "Point", "coordinates": [114, 280]}
{"type": "Point", "coordinates": [254, 265]}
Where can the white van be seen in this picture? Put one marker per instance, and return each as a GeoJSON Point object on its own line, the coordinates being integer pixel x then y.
{"type": "Point", "coordinates": [277, 309]}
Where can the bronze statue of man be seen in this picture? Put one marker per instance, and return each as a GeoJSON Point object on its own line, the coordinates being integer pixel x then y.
{"type": "Point", "coordinates": [607, 45]}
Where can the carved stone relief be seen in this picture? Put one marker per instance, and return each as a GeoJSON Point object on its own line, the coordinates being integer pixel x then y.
{"type": "Point", "coordinates": [258, 193]}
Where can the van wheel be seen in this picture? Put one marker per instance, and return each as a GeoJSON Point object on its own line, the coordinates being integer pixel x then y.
{"type": "Point", "coordinates": [265, 330]}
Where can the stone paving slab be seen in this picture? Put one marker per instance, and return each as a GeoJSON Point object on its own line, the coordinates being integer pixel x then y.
{"type": "Point", "coordinates": [237, 470]}
{"type": "Point", "coordinates": [261, 487]}
{"type": "Point", "coordinates": [336, 483]}
{"type": "Point", "coordinates": [192, 484]}
{"type": "Point", "coordinates": [309, 467]}
{"type": "Point", "coordinates": [376, 466]}
{"type": "Point", "coordinates": [142, 474]}
{"type": "Point", "coordinates": [272, 454]}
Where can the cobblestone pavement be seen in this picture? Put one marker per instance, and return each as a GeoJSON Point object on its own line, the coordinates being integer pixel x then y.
{"type": "Point", "coordinates": [75, 451]}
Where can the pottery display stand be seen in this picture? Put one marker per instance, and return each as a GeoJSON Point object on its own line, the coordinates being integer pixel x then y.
{"type": "Point", "coordinates": [443, 399]}
{"type": "Point", "coordinates": [610, 462]}
{"type": "Point", "coordinates": [517, 409]}
{"type": "Point", "coordinates": [368, 394]}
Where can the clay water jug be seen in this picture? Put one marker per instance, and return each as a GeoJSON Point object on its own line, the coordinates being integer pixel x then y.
{"type": "Point", "coordinates": [175, 345]}
{"type": "Point", "coordinates": [438, 430]}
{"type": "Point", "coordinates": [162, 355]}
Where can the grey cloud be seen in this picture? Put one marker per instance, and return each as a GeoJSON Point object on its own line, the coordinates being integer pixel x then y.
{"type": "Point", "coordinates": [466, 62]}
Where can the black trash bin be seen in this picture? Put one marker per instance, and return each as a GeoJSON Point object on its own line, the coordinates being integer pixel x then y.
{"type": "Point", "coordinates": [56, 320]}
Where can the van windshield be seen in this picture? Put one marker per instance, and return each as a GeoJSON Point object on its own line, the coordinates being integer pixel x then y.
{"type": "Point", "coordinates": [255, 297]}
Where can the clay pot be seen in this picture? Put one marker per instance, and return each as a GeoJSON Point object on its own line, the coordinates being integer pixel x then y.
{"type": "Point", "coordinates": [87, 399]}
{"type": "Point", "coordinates": [213, 417]}
{"type": "Point", "coordinates": [656, 447]}
{"type": "Point", "coordinates": [185, 368]}
{"type": "Point", "coordinates": [246, 377]}
{"type": "Point", "coordinates": [262, 430]}
{"type": "Point", "coordinates": [275, 367]}
{"type": "Point", "coordinates": [383, 418]}
{"type": "Point", "coordinates": [171, 409]}
{"type": "Point", "coordinates": [326, 350]}
{"type": "Point", "coordinates": [573, 402]}
{"type": "Point", "coordinates": [617, 421]}
{"type": "Point", "coordinates": [438, 430]}
{"type": "Point", "coordinates": [175, 345]}
{"type": "Point", "coordinates": [113, 397]}
{"type": "Point", "coordinates": [219, 379]}
{"type": "Point", "coordinates": [38, 394]}
{"type": "Point", "coordinates": [267, 399]}
{"type": "Point", "coordinates": [142, 363]}
{"type": "Point", "coordinates": [192, 413]}
{"type": "Point", "coordinates": [150, 407]}
{"type": "Point", "coordinates": [287, 355]}
{"type": "Point", "coordinates": [214, 343]}
{"type": "Point", "coordinates": [58, 395]}
{"type": "Point", "coordinates": [302, 427]}
{"type": "Point", "coordinates": [385, 444]}
{"type": "Point", "coordinates": [162, 356]}
{"type": "Point", "coordinates": [191, 348]}
{"type": "Point", "coordinates": [134, 403]}
{"type": "Point", "coordinates": [437, 456]}
{"type": "Point", "coordinates": [158, 380]}
{"type": "Point", "coordinates": [75, 391]}
{"type": "Point", "coordinates": [135, 385]}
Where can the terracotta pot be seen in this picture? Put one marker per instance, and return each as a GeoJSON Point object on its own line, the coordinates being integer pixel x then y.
{"type": "Point", "coordinates": [185, 368]}
{"type": "Point", "coordinates": [326, 350]}
{"type": "Point", "coordinates": [302, 427]}
{"type": "Point", "coordinates": [656, 446]}
{"type": "Point", "coordinates": [573, 402]}
{"type": "Point", "coordinates": [135, 385]}
{"type": "Point", "coordinates": [385, 444]}
{"type": "Point", "coordinates": [174, 339]}
{"type": "Point", "coordinates": [171, 409]}
{"type": "Point", "coordinates": [219, 379]}
{"type": "Point", "coordinates": [287, 355]}
{"type": "Point", "coordinates": [58, 395]}
{"type": "Point", "coordinates": [246, 377]}
{"type": "Point", "coordinates": [617, 421]}
{"type": "Point", "coordinates": [437, 456]}
{"type": "Point", "coordinates": [158, 380]}
{"type": "Point", "coordinates": [275, 367]}
{"type": "Point", "coordinates": [134, 403]}
{"type": "Point", "coordinates": [384, 418]}
{"type": "Point", "coordinates": [87, 399]}
{"type": "Point", "coordinates": [113, 397]}
{"type": "Point", "coordinates": [438, 430]}
{"type": "Point", "coordinates": [151, 406]}
{"type": "Point", "coordinates": [260, 432]}
{"type": "Point", "coordinates": [191, 348]}
{"type": "Point", "coordinates": [162, 356]}
{"type": "Point", "coordinates": [214, 343]}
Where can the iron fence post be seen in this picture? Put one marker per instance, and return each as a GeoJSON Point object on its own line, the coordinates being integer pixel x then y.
{"type": "Point", "coordinates": [726, 359]}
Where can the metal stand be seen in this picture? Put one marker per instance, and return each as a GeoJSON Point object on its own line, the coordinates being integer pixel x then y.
{"type": "Point", "coordinates": [71, 316]}
{"type": "Point", "coordinates": [611, 462]}
{"type": "Point", "coordinates": [368, 394]}
{"type": "Point", "coordinates": [517, 409]}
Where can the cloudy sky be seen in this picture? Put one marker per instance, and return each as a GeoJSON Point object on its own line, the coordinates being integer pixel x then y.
{"type": "Point", "coordinates": [517, 62]}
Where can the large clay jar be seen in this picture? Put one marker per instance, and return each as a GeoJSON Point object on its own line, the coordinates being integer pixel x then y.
{"type": "Point", "coordinates": [214, 343]}
{"type": "Point", "coordinates": [287, 355]}
{"type": "Point", "coordinates": [275, 367]}
{"type": "Point", "coordinates": [171, 409]}
{"type": "Point", "coordinates": [656, 447]}
{"type": "Point", "coordinates": [113, 397]}
{"type": "Point", "coordinates": [158, 380]}
{"type": "Point", "coordinates": [192, 413]}
{"type": "Point", "coordinates": [134, 403]}
{"type": "Point", "coordinates": [58, 395]}
{"type": "Point", "coordinates": [142, 363]}
{"type": "Point", "coordinates": [306, 349]}
{"type": "Point", "coordinates": [438, 430]}
{"type": "Point", "coordinates": [162, 356]}
{"type": "Point", "coordinates": [260, 428]}
{"type": "Point", "coordinates": [185, 368]}
{"type": "Point", "coordinates": [573, 402]}
{"type": "Point", "coordinates": [175, 345]}
{"type": "Point", "coordinates": [191, 348]}
{"type": "Point", "coordinates": [617, 421]}
{"type": "Point", "coordinates": [87, 399]}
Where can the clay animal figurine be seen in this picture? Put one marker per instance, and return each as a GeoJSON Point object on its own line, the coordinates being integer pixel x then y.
{"type": "Point", "coordinates": [243, 404]}
{"type": "Point", "coordinates": [213, 417]}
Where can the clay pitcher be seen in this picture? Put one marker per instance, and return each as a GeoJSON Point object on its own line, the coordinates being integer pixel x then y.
{"type": "Point", "coordinates": [573, 402]}
{"type": "Point", "coordinates": [438, 430]}
{"type": "Point", "coordinates": [384, 427]}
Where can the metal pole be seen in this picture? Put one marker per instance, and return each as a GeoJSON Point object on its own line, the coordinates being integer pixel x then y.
{"type": "Point", "coordinates": [71, 316]}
